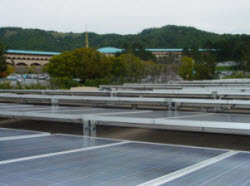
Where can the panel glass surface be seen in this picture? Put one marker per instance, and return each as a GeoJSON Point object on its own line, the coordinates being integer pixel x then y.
{"type": "Point", "coordinates": [126, 164]}
{"type": "Point", "coordinates": [239, 118]}
{"type": "Point", "coordinates": [12, 149]}
{"type": "Point", "coordinates": [13, 133]}
{"type": "Point", "coordinates": [234, 170]}
{"type": "Point", "coordinates": [77, 112]}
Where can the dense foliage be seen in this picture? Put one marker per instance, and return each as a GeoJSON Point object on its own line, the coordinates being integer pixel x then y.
{"type": "Point", "coordinates": [137, 50]}
{"type": "Point", "coordinates": [189, 69]}
{"type": "Point", "coordinates": [9, 85]}
{"type": "Point", "coordinates": [169, 36]}
{"type": "Point", "coordinates": [3, 65]}
{"type": "Point", "coordinates": [234, 49]}
{"type": "Point", "coordinates": [90, 66]}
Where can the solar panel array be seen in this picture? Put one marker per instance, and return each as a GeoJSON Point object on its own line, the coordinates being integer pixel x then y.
{"type": "Point", "coordinates": [77, 160]}
{"type": "Point", "coordinates": [36, 158]}
{"type": "Point", "coordinates": [173, 120]}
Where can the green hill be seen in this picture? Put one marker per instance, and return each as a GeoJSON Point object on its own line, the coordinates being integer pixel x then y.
{"type": "Point", "coordinates": [169, 36]}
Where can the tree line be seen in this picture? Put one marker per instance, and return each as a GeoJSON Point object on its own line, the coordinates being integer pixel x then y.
{"type": "Point", "coordinates": [169, 36]}
{"type": "Point", "coordinates": [203, 63]}
{"type": "Point", "coordinates": [93, 68]}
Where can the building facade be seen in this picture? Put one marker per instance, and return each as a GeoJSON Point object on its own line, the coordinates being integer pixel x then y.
{"type": "Point", "coordinates": [28, 58]}
{"type": "Point", "coordinates": [159, 53]}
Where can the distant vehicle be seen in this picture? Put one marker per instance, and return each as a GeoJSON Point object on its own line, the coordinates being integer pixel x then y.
{"type": "Point", "coordinates": [32, 76]}
{"type": "Point", "coordinates": [24, 76]}
{"type": "Point", "coordinates": [15, 77]}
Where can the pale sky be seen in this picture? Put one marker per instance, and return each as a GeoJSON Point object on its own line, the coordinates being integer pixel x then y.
{"type": "Point", "coordinates": [126, 16]}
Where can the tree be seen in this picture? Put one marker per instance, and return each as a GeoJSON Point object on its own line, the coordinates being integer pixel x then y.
{"type": "Point", "coordinates": [83, 63]}
{"type": "Point", "coordinates": [189, 69]}
{"type": "Point", "coordinates": [91, 64]}
{"type": "Point", "coordinates": [128, 66]}
{"type": "Point", "coordinates": [137, 50]}
{"type": "Point", "coordinates": [186, 67]}
{"type": "Point", "coordinates": [3, 65]}
{"type": "Point", "coordinates": [201, 72]}
{"type": "Point", "coordinates": [10, 70]}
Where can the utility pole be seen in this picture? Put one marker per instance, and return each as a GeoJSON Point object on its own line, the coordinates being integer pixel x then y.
{"type": "Point", "coordinates": [86, 38]}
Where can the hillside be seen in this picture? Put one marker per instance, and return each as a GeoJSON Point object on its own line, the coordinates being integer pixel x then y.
{"type": "Point", "coordinates": [169, 36]}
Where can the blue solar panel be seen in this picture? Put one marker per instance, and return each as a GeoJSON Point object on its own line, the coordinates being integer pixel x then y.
{"type": "Point", "coordinates": [234, 170]}
{"type": "Point", "coordinates": [14, 149]}
{"type": "Point", "coordinates": [14, 133]}
{"type": "Point", "coordinates": [127, 164]}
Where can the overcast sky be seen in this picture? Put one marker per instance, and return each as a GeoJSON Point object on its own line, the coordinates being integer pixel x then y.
{"type": "Point", "coordinates": [126, 16]}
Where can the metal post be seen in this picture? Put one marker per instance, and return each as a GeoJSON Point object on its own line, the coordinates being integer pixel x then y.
{"type": "Point", "coordinates": [89, 128]}
{"type": "Point", "coordinates": [169, 105]}
{"type": "Point", "coordinates": [93, 128]}
{"type": "Point", "coordinates": [85, 126]}
{"type": "Point", "coordinates": [192, 70]}
{"type": "Point", "coordinates": [134, 106]}
{"type": "Point", "coordinates": [214, 93]}
{"type": "Point", "coordinates": [54, 101]}
{"type": "Point", "coordinates": [111, 93]}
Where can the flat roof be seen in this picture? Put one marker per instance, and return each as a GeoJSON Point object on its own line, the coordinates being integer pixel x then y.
{"type": "Point", "coordinates": [32, 52]}
{"type": "Point", "coordinates": [104, 50]}
{"type": "Point", "coordinates": [110, 50]}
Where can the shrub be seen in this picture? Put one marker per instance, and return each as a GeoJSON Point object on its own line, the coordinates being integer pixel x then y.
{"type": "Point", "coordinates": [63, 83]}
{"type": "Point", "coordinates": [5, 85]}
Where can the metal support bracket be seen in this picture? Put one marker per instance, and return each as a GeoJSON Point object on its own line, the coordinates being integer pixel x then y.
{"type": "Point", "coordinates": [89, 128]}
{"type": "Point", "coordinates": [54, 101]}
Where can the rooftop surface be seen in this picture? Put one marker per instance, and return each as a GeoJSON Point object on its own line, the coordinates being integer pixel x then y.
{"type": "Point", "coordinates": [32, 52]}
{"type": "Point", "coordinates": [104, 50]}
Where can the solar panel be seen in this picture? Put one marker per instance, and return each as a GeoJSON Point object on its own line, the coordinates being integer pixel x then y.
{"type": "Point", "coordinates": [234, 170]}
{"type": "Point", "coordinates": [129, 163]}
{"type": "Point", "coordinates": [12, 149]}
{"type": "Point", "coordinates": [4, 132]}
{"type": "Point", "coordinates": [9, 134]}
{"type": "Point", "coordinates": [157, 114]}
{"type": "Point", "coordinates": [220, 117]}
{"type": "Point", "coordinates": [225, 123]}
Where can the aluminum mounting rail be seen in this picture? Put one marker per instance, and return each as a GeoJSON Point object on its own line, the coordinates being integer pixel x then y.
{"type": "Point", "coordinates": [85, 101]}
{"type": "Point", "coordinates": [185, 93]}
{"type": "Point", "coordinates": [168, 86]}
{"type": "Point", "coordinates": [57, 92]}
{"type": "Point", "coordinates": [134, 102]}
{"type": "Point", "coordinates": [107, 93]}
